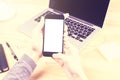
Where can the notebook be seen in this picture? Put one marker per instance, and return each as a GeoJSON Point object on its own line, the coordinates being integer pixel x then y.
{"type": "Point", "coordinates": [86, 18]}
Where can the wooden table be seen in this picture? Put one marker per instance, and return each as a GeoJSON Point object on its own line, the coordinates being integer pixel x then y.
{"type": "Point", "coordinates": [94, 64]}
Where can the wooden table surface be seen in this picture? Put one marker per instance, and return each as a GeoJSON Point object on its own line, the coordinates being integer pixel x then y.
{"type": "Point", "coordinates": [96, 66]}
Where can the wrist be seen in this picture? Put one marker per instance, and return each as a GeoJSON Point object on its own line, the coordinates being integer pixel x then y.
{"type": "Point", "coordinates": [34, 55]}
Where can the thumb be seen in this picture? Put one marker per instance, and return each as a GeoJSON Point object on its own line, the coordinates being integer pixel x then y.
{"type": "Point", "coordinates": [58, 56]}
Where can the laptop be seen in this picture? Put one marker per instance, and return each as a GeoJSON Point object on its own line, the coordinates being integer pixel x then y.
{"type": "Point", "coordinates": [86, 18]}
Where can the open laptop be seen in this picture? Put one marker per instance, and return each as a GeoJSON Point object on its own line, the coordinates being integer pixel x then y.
{"type": "Point", "coordinates": [85, 20]}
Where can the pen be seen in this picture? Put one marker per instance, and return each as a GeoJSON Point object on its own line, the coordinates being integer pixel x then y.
{"type": "Point", "coordinates": [12, 52]}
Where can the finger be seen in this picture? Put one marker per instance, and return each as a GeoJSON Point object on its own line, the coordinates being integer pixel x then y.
{"type": "Point", "coordinates": [65, 34]}
{"type": "Point", "coordinates": [58, 56]}
{"type": "Point", "coordinates": [65, 26]}
{"type": "Point", "coordinates": [65, 30]}
{"type": "Point", "coordinates": [68, 47]}
{"type": "Point", "coordinates": [66, 15]}
{"type": "Point", "coordinates": [67, 44]}
{"type": "Point", "coordinates": [60, 62]}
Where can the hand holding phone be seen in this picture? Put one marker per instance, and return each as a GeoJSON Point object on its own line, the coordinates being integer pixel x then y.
{"type": "Point", "coordinates": [53, 34]}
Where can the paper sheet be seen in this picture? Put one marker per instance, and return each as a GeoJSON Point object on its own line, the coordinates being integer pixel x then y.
{"type": "Point", "coordinates": [110, 50]}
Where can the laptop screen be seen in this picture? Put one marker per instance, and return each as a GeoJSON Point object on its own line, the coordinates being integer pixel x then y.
{"type": "Point", "coordinates": [92, 11]}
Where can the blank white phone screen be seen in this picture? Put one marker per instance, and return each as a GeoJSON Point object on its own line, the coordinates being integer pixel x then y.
{"type": "Point", "coordinates": [53, 37]}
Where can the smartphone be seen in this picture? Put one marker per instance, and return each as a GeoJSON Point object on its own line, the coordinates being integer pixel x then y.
{"type": "Point", "coordinates": [53, 35]}
{"type": "Point", "coordinates": [3, 61]}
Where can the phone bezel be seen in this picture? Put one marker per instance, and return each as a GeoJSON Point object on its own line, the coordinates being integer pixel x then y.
{"type": "Point", "coordinates": [49, 54]}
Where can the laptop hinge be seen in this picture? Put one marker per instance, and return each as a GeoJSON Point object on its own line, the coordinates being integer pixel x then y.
{"type": "Point", "coordinates": [80, 20]}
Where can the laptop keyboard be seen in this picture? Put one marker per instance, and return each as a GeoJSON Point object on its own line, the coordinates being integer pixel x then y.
{"type": "Point", "coordinates": [76, 30]}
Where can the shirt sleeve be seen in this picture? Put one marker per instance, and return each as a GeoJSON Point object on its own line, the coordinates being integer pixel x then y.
{"type": "Point", "coordinates": [22, 69]}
